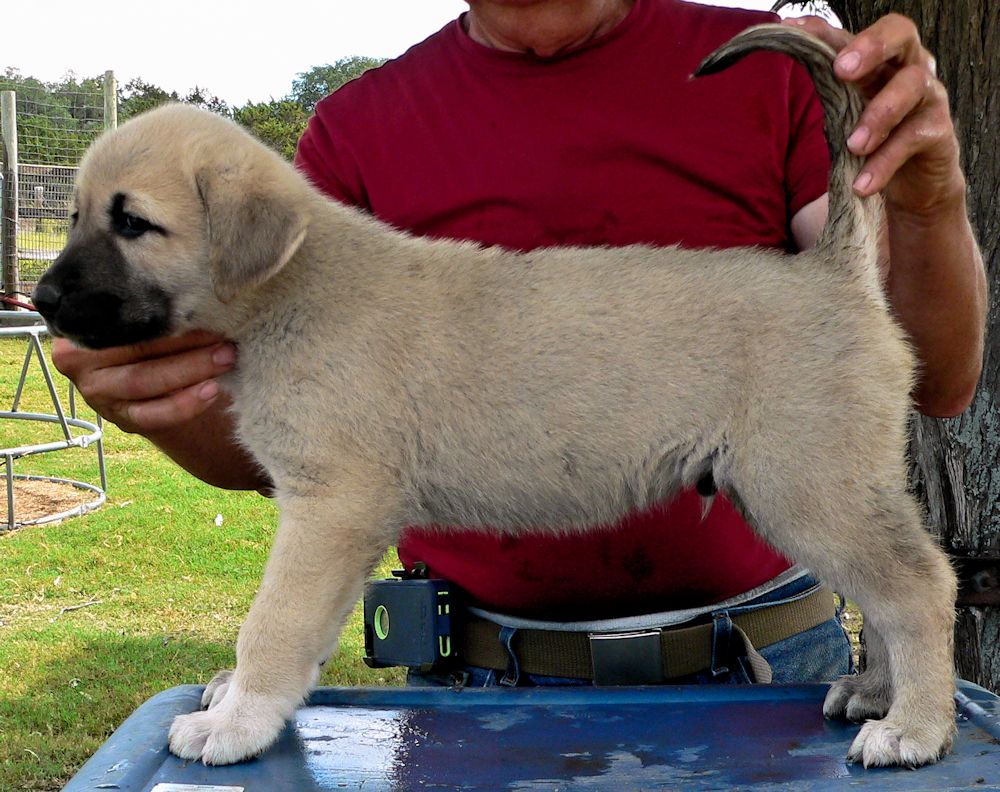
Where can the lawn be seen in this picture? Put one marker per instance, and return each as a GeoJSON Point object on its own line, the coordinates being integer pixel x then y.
{"type": "Point", "coordinates": [37, 242]}
{"type": "Point", "coordinates": [100, 612]}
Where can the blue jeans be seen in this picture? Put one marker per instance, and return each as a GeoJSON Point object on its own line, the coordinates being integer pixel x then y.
{"type": "Point", "coordinates": [820, 654]}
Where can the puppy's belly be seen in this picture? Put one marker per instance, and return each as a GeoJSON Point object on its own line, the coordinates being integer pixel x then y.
{"type": "Point", "coordinates": [567, 494]}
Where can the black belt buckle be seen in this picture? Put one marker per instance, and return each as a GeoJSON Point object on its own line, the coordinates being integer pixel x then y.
{"type": "Point", "coordinates": [627, 658]}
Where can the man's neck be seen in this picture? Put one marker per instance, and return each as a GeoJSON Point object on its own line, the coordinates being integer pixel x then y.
{"type": "Point", "coordinates": [546, 28]}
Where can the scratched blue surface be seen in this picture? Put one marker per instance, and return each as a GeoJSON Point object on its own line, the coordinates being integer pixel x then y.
{"type": "Point", "coordinates": [672, 738]}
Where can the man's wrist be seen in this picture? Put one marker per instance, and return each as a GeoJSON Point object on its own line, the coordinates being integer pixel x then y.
{"type": "Point", "coordinates": [936, 207]}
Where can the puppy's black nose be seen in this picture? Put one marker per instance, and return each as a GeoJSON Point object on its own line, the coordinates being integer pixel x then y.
{"type": "Point", "coordinates": [46, 298]}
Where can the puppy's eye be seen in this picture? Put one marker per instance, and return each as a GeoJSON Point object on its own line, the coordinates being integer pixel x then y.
{"type": "Point", "coordinates": [73, 219]}
{"type": "Point", "coordinates": [131, 226]}
{"type": "Point", "coordinates": [126, 224]}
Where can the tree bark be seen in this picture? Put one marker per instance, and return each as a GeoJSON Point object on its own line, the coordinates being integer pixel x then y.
{"type": "Point", "coordinates": [955, 461]}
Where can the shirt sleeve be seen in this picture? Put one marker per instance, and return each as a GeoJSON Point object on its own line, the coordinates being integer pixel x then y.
{"type": "Point", "coordinates": [327, 160]}
{"type": "Point", "coordinates": [807, 167]}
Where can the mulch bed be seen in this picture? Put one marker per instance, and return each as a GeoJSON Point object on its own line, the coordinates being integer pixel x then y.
{"type": "Point", "coordinates": [37, 499]}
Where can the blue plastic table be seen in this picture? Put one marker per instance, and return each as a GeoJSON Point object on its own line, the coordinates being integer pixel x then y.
{"type": "Point", "coordinates": [619, 739]}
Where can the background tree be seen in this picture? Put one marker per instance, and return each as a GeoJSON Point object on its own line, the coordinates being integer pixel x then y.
{"type": "Point", "coordinates": [199, 97]}
{"type": "Point", "coordinates": [55, 121]}
{"type": "Point", "coordinates": [955, 462]}
{"type": "Point", "coordinates": [137, 96]}
{"type": "Point", "coordinates": [77, 95]}
{"type": "Point", "coordinates": [279, 123]}
{"type": "Point", "coordinates": [313, 85]}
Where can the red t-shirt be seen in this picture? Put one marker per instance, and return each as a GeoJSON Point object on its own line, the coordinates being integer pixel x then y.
{"type": "Point", "coordinates": [611, 144]}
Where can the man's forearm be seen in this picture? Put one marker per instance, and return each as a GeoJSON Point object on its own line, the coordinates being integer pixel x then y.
{"type": "Point", "coordinates": [938, 290]}
{"type": "Point", "coordinates": [206, 447]}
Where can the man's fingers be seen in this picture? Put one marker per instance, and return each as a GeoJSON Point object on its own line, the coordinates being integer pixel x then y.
{"type": "Point", "coordinates": [154, 415]}
{"type": "Point", "coordinates": [145, 387]}
{"type": "Point", "coordinates": [874, 55]}
{"type": "Point", "coordinates": [906, 123]}
{"type": "Point", "coordinates": [156, 377]}
{"type": "Point", "coordinates": [922, 134]}
{"type": "Point", "coordinates": [906, 91]}
{"type": "Point", "coordinates": [71, 359]}
{"type": "Point", "coordinates": [870, 57]}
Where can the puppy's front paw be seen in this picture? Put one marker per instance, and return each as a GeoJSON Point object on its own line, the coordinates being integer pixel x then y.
{"type": "Point", "coordinates": [231, 731]}
{"type": "Point", "coordinates": [857, 698]}
{"type": "Point", "coordinates": [887, 743]}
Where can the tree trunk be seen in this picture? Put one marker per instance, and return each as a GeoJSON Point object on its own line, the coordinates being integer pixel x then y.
{"type": "Point", "coordinates": [955, 465]}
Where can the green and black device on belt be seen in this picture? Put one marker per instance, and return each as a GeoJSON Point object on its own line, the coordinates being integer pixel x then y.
{"type": "Point", "coordinates": [409, 620]}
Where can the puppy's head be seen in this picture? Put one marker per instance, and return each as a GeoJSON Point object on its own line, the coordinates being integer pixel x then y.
{"type": "Point", "coordinates": [175, 215]}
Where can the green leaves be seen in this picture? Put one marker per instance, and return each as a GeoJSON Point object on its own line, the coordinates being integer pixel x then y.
{"type": "Point", "coordinates": [278, 123]}
{"type": "Point", "coordinates": [320, 81]}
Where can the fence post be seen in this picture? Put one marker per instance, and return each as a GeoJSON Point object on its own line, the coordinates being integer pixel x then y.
{"type": "Point", "coordinates": [8, 204]}
{"type": "Point", "coordinates": [110, 101]}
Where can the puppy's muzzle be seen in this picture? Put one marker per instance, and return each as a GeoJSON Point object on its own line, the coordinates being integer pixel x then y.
{"type": "Point", "coordinates": [47, 298]}
{"type": "Point", "coordinates": [90, 296]}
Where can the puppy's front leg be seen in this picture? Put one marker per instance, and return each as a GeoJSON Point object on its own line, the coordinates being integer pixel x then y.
{"type": "Point", "coordinates": [325, 546]}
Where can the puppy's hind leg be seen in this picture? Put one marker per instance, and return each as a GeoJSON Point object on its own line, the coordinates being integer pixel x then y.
{"type": "Point", "coordinates": [868, 694]}
{"type": "Point", "coordinates": [840, 516]}
{"type": "Point", "coordinates": [327, 543]}
{"type": "Point", "coordinates": [912, 611]}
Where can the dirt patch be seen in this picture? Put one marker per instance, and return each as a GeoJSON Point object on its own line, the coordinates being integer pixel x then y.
{"type": "Point", "coordinates": [36, 499]}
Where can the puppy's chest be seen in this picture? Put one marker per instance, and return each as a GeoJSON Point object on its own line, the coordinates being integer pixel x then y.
{"type": "Point", "coordinates": [254, 404]}
{"type": "Point", "coordinates": [287, 416]}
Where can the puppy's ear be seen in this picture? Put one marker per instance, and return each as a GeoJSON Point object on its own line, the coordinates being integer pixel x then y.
{"type": "Point", "coordinates": [254, 227]}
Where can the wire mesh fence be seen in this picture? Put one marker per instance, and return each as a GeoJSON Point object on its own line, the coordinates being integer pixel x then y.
{"type": "Point", "coordinates": [46, 129]}
{"type": "Point", "coordinates": [45, 193]}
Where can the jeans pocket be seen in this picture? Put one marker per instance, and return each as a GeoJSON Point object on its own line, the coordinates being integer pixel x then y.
{"type": "Point", "coordinates": [821, 654]}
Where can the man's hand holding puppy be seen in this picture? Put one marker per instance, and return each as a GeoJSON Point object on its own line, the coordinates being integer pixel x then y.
{"type": "Point", "coordinates": [166, 391]}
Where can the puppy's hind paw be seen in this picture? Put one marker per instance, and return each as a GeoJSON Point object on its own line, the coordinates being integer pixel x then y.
{"type": "Point", "coordinates": [857, 698]}
{"type": "Point", "coordinates": [882, 743]}
{"type": "Point", "coordinates": [216, 690]}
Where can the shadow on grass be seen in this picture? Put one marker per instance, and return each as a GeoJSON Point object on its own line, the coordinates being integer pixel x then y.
{"type": "Point", "coordinates": [79, 698]}
{"type": "Point", "coordinates": [76, 700]}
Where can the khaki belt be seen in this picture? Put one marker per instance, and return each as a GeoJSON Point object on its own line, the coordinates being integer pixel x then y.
{"type": "Point", "coordinates": [669, 653]}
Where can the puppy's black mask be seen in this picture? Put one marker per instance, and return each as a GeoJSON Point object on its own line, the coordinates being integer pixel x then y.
{"type": "Point", "coordinates": [91, 296]}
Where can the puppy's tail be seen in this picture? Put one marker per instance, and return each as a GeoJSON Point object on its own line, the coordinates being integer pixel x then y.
{"type": "Point", "coordinates": [852, 226]}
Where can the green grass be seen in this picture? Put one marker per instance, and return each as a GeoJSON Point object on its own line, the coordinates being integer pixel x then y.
{"type": "Point", "coordinates": [38, 235]}
{"type": "Point", "coordinates": [165, 590]}
{"type": "Point", "coordinates": [29, 272]}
